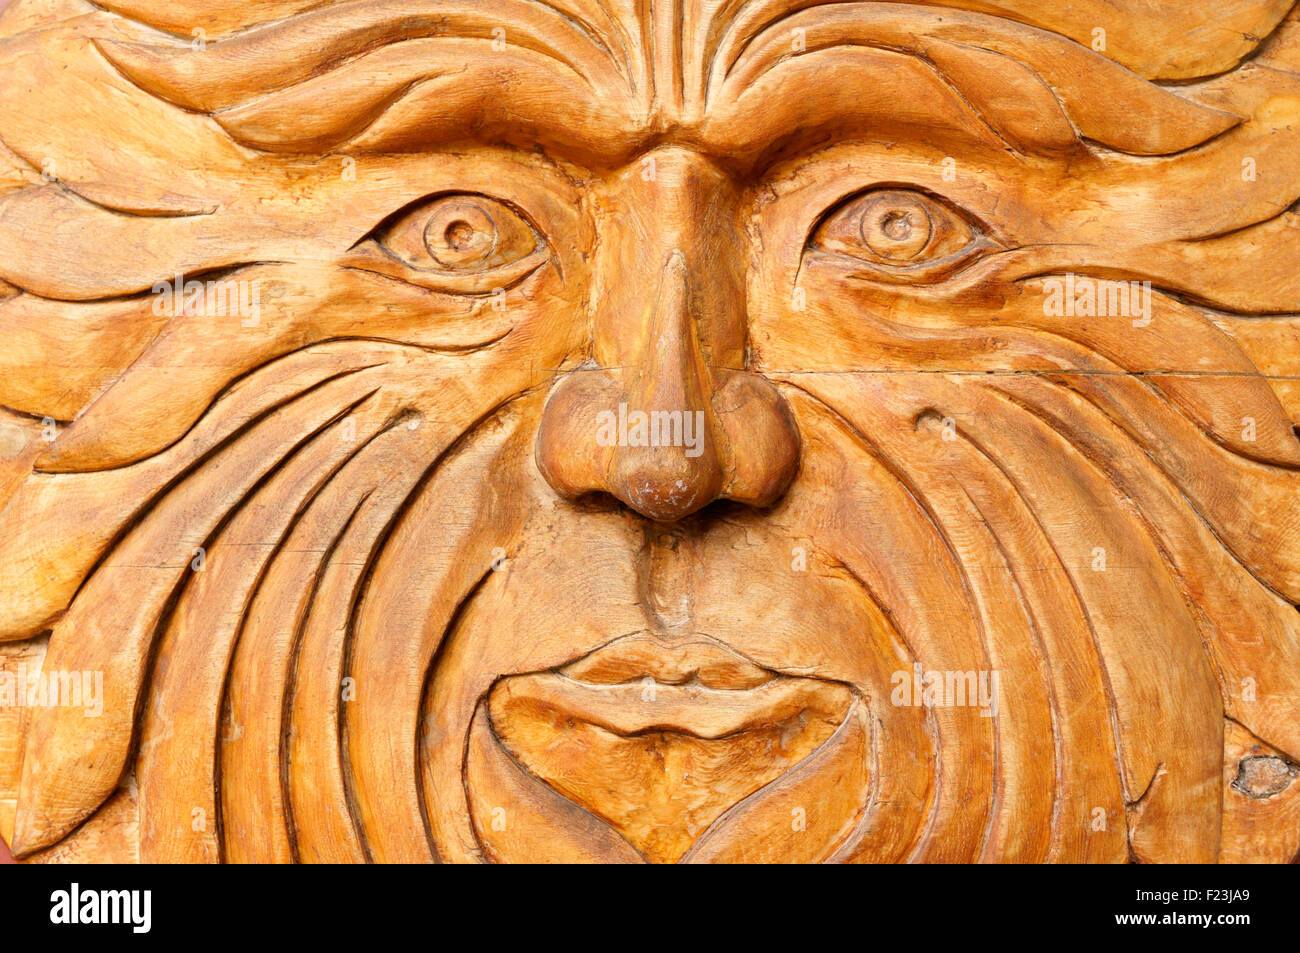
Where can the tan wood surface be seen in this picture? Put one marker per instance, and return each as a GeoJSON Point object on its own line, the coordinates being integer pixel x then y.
{"type": "Point", "coordinates": [613, 431]}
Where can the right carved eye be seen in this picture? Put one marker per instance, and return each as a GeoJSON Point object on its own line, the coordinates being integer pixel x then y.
{"type": "Point", "coordinates": [460, 234]}
{"type": "Point", "coordinates": [901, 234]}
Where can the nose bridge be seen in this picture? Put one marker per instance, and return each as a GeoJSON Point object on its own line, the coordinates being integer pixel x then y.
{"type": "Point", "coordinates": [671, 225]}
{"type": "Point", "coordinates": [668, 369]}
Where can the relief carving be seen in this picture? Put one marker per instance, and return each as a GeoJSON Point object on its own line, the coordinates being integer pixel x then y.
{"type": "Point", "coordinates": [613, 431]}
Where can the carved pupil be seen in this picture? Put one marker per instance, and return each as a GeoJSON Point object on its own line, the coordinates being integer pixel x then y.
{"type": "Point", "coordinates": [897, 234]}
{"type": "Point", "coordinates": [897, 226]}
{"type": "Point", "coordinates": [461, 235]}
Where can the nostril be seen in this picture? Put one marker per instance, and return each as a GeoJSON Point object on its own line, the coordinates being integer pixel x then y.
{"type": "Point", "coordinates": [698, 520]}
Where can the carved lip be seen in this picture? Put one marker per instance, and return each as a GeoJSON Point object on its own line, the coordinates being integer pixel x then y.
{"type": "Point", "coordinates": [676, 662]}
{"type": "Point", "coordinates": [695, 686]}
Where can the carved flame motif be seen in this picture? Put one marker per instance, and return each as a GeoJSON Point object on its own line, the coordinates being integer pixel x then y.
{"type": "Point", "coordinates": [942, 347]}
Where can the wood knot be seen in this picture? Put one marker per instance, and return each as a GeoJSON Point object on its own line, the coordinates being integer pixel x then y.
{"type": "Point", "coordinates": [1264, 776]}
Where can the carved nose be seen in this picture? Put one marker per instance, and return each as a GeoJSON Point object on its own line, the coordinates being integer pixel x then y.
{"type": "Point", "coordinates": [665, 433]}
{"type": "Point", "coordinates": [667, 479]}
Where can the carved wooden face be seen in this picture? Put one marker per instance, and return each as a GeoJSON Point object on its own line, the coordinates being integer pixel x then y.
{"type": "Point", "coordinates": [610, 431]}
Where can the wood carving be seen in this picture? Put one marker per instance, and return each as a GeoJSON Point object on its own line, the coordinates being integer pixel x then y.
{"type": "Point", "coordinates": [604, 430]}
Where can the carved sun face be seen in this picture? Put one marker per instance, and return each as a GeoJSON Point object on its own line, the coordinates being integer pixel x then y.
{"type": "Point", "coordinates": [709, 431]}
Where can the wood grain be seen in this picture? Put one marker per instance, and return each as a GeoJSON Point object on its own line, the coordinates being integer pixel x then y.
{"type": "Point", "coordinates": [691, 432]}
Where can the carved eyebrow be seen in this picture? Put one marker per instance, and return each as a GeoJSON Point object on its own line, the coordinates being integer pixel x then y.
{"type": "Point", "coordinates": [325, 75]}
{"type": "Point", "coordinates": [313, 36]}
{"type": "Point", "coordinates": [1157, 39]}
{"type": "Point", "coordinates": [1037, 90]}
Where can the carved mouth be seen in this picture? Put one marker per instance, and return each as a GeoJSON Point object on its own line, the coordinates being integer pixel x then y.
{"type": "Point", "coordinates": [659, 738]}
{"type": "Point", "coordinates": [697, 687]}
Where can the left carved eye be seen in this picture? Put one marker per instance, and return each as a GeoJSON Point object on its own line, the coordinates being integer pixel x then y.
{"type": "Point", "coordinates": [901, 232]}
{"type": "Point", "coordinates": [461, 234]}
{"type": "Point", "coordinates": [460, 243]}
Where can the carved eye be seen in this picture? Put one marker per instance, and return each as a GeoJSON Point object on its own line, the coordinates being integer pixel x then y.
{"type": "Point", "coordinates": [456, 244]}
{"type": "Point", "coordinates": [460, 233]}
{"type": "Point", "coordinates": [905, 234]}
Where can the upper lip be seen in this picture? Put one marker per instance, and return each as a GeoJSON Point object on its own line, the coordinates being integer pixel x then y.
{"type": "Point", "coordinates": [695, 658]}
